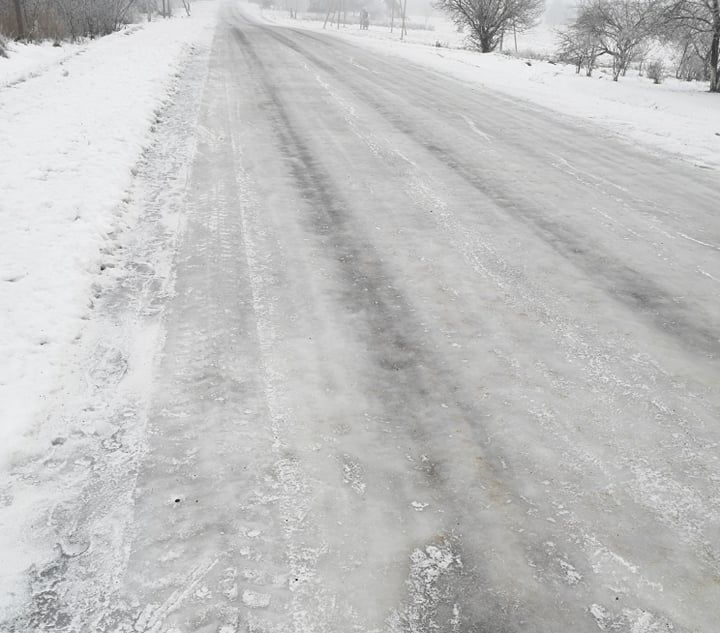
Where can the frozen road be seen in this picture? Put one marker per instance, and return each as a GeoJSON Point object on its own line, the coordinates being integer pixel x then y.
{"type": "Point", "coordinates": [435, 362]}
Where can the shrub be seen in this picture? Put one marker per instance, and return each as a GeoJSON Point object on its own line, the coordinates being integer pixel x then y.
{"type": "Point", "coordinates": [67, 19]}
{"type": "Point", "coordinates": [655, 70]}
{"type": "Point", "coordinates": [525, 54]}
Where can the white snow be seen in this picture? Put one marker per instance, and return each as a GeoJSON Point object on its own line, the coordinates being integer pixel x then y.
{"type": "Point", "coordinates": [72, 133]}
{"type": "Point", "coordinates": [72, 126]}
{"type": "Point", "coordinates": [677, 117]}
{"type": "Point", "coordinates": [27, 61]}
{"type": "Point", "coordinates": [255, 600]}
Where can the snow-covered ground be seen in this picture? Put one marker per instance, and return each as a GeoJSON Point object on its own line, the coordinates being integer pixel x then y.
{"type": "Point", "coordinates": [26, 61]}
{"type": "Point", "coordinates": [677, 117]}
{"type": "Point", "coordinates": [381, 350]}
{"type": "Point", "coordinates": [72, 127]}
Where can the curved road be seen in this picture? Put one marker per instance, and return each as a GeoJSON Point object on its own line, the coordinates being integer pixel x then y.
{"type": "Point", "coordinates": [436, 361]}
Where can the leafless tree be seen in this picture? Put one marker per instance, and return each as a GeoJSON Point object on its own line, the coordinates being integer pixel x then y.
{"type": "Point", "coordinates": [60, 19]}
{"type": "Point", "coordinates": [486, 20]}
{"type": "Point", "coordinates": [393, 6]}
{"type": "Point", "coordinates": [693, 53]}
{"type": "Point", "coordinates": [700, 21]}
{"type": "Point", "coordinates": [20, 18]}
{"type": "Point", "coordinates": [621, 27]}
{"type": "Point", "coordinates": [578, 47]}
{"type": "Point", "coordinates": [90, 18]}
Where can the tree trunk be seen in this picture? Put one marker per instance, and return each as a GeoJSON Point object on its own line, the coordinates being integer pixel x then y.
{"type": "Point", "coordinates": [683, 58]}
{"type": "Point", "coordinates": [714, 55]}
{"type": "Point", "coordinates": [20, 17]}
{"type": "Point", "coordinates": [715, 48]}
{"type": "Point", "coordinates": [591, 64]}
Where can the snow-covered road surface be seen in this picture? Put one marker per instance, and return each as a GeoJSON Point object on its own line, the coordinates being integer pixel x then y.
{"type": "Point", "coordinates": [433, 362]}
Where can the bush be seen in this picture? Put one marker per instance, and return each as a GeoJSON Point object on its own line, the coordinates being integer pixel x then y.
{"type": "Point", "coordinates": [525, 54]}
{"type": "Point", "coordinates": [67, 19]}
{"type": "Point", "coordinates": [655, 70]}
{"type": "Point", "coordinates": [3, 45]}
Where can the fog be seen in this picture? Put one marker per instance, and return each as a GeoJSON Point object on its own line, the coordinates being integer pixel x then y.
{"type": "Point", "coordinates": [557, 11]}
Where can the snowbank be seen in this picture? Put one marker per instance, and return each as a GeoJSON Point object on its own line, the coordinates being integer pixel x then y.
{"type": "Point", "coordinates": [677, 117]}
{"type": "Point", "coordinates": [70, 136]}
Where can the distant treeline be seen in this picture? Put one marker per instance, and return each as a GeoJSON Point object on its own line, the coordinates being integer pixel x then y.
{"type": "Point", "coordinates": [73, 19]}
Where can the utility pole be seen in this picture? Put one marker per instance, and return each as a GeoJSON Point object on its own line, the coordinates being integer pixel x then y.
{"type": "Point", "coordinates": [392, 15]}
{"type": "Point", "coordinates": [402, 32]}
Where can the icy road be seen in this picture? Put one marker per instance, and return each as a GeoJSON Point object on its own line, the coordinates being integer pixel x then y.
{"type": "Point", "coordinates": [435, 361]}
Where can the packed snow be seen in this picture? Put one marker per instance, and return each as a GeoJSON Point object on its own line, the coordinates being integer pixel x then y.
{"type": "Point", "coordinates": [307, 336]}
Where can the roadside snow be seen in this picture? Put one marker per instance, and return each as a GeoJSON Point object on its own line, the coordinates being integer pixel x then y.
{"type": "Point", "coordinates": [26, 61]}
{"type": "Point", "coordinates": [70, 138]}
{"type": "Point", "coordinates": [677, 117]}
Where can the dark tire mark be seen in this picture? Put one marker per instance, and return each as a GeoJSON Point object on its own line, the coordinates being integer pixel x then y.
{"type": "Point", "coordinates": [416, 391]}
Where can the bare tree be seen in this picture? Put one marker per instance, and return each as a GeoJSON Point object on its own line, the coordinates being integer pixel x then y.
{"type": "Point", "coordinates": [392, 5]}
{"type": "Point", "coordinates": [166, 8]}
{"type": "Point", "coordinates": [578, 47]}
{"type": "Point", "coordinates": [701, 20]}
{"type": "Point", "coordinates": [621, 27]}
{"type": "Point", "coordinates": [486, 20]}
{"type": "Point", "coordinates": [91, 18]}
{"type": "Point", "coordinates": [693, 53]}
{"type": "Point", "coordinates": [20, 18]}
{"type": "Point", "coordinates": [60, 19]}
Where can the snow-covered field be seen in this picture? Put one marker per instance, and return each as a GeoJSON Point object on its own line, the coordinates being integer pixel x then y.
{"type": "Point", "coordinates": [74, 120]}
{"type": "Point", "coordinates": [677, 117]}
